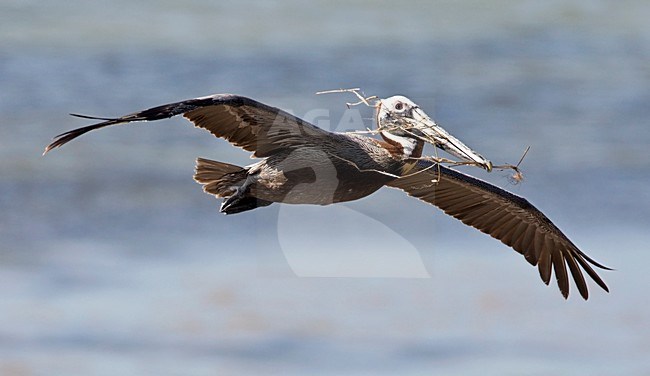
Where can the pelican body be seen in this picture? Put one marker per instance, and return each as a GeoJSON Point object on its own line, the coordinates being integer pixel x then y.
{"type": "Point", "coordinates": [303, 164]}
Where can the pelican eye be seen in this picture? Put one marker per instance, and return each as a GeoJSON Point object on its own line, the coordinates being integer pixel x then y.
{"type": "Point", "coordinates": [399, 106]}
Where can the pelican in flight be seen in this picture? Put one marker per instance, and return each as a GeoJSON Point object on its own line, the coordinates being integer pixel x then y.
{"type": "Point", "coordinates": [303, 164]}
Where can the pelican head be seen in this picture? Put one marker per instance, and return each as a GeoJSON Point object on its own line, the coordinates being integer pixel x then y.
{"type": "Point", "coordinates": [400, 115]}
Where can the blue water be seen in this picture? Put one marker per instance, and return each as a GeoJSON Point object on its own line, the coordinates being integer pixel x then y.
{"type": "Point", "coordinates": [112, 260]}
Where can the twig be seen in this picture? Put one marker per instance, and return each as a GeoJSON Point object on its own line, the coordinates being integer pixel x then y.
{"type": "Point", "coordinates": [364, 169]}
{"type": "Point", "coordinates": [517, 177]}
{"type": "Point", "coordinates": [356, 91]}
{"type": "Point", "coordinates": [523, 156]}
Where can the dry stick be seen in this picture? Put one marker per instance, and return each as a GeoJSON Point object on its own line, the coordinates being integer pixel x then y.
{"type": "Point", "coordinates": [436, 161]}
{"type": "Point", "coordinates": [517, 177]}
{"type": "Point", "coordinates": [363, 99]}
{"type": "Point", "coordinates": [523, 156]}
{"type": "Point", "coordinates": [335, 91]}
{"type": "Point", "coordinates": [364, 169]}
{"type": "Point", "coordinates": [356, 91]}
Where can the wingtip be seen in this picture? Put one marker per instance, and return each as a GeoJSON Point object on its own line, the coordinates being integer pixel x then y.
{"type": "Point", "coordinates": [595, 263]}
{"type": "Point", "coordinates": [48, 148]}
{"type": "Point", "coordinates": [92, 117]}
{"type": "Point", "coordinates": [53, 145]}
{"type": "Point", "coordinates": [565, 293]}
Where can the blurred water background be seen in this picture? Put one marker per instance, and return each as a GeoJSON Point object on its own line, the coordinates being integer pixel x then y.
{"type": "Point", "coordinates": [112, 260]}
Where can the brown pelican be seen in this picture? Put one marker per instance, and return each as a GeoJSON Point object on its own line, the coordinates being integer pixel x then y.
{"type": "Point", "coordinates": [303, 164]}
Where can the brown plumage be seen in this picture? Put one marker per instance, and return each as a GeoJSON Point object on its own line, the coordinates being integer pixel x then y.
{"type": "Point", "coordinates": [303, 164]}
{"type": "Point", "coordinates": [504, 216]}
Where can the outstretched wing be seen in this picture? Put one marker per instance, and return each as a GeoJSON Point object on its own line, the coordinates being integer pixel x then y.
{"type": "Point", "coordinates": [244, 122]}
{"type": "Point", "coordinates": [504, 216]}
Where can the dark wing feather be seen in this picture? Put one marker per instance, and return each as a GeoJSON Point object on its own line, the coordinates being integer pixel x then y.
{"type": "Point", "coordinates": [244, 122]}
{"type": "Point", "coordinates": [504, 216]}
